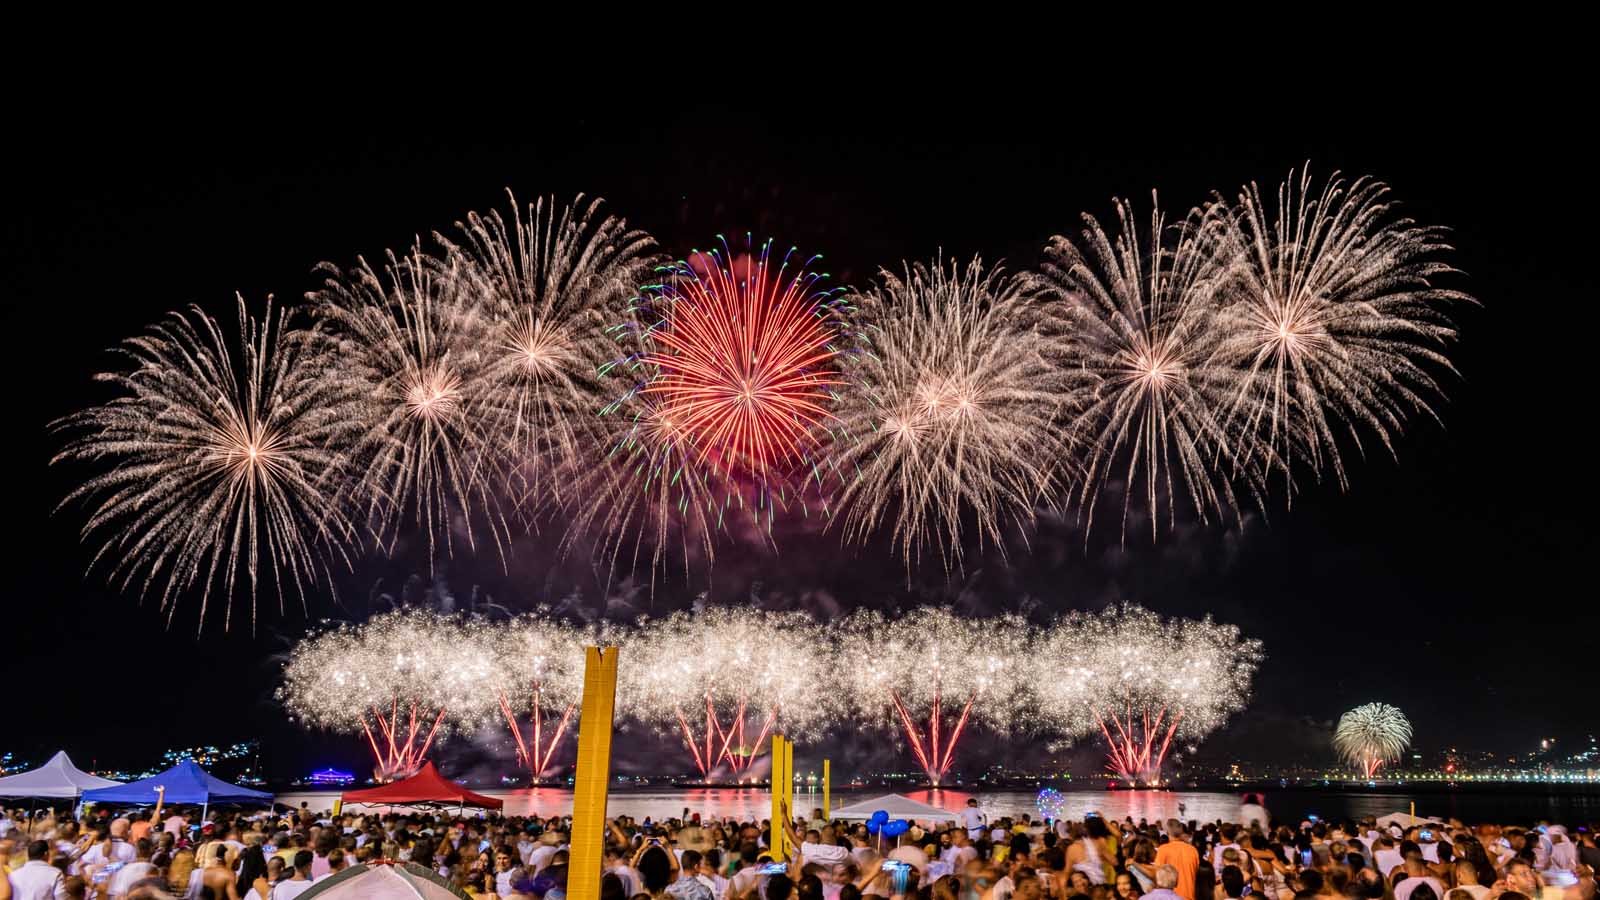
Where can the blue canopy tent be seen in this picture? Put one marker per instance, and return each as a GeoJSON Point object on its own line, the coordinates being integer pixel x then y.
{"type": "Point", "coordinates": [185, 782]}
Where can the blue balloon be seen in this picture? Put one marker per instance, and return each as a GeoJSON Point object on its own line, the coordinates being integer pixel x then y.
{"type": "Point", "coordinates": [879, 817]}
{"type": "Point", "coordinates": [872, 827]}
{"type": "Point", "coordinates": [896, 828]}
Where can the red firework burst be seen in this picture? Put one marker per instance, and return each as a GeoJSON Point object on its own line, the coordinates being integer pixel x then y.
{"type": "Point", "coordinates": [744, 359]}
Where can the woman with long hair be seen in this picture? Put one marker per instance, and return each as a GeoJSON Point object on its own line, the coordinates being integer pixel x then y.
{"type": "Point", "coordinates": [252, 869]}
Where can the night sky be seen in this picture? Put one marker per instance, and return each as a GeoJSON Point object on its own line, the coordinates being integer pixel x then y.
{"type": "Point", "coordinates": [1455, 582]}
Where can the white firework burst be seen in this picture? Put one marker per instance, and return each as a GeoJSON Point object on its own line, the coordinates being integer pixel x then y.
{"type": "Point", "coordinates": [225, 458]}
{"type": "Point", "coordinates": [1370, 734]}
{"type": "Point", "coordinates": [951, 409]}
{"type": "Point", "coordinates": [1332, 315]}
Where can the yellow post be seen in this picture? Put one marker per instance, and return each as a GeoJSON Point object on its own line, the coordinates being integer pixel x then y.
{"type": "Point", "coordinates": [593, 775]}
{"type": "Point", "coordinates": [780, 797]}
{"type": "Point", "coordinates": [827, 786]}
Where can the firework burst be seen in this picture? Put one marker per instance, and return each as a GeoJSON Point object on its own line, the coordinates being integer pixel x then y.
{"type": "Point", "coordinates": [413, 346]}
{"type": "Point", "coordinates": [725, 678]}
{"type": "Point", "coordinates": [1144, 333]}
{"type": "Point", "coordinates": [952, 410]}
{"type": "Point", "coordinates": [551, 280]}
{"type": "Point", "coordinates": [729, 371]}
{"type": "Point", "coordinates": [402, 680]}
{"type": "Point", "coordinates": [1333, 317]}
{"type": "Point", "coordinates": [1140, 682]}
{"type": "Point", "coordinates": [223, 457]}
{"type": "Point", "coordinates": [935, 667]}
{"type": "Point", "coordinates": [743, 355]}
{"type": "Point", "coordinates": [1371, 734]}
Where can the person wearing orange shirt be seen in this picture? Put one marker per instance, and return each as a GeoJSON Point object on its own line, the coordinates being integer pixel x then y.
{"type": "Point", "coordinates": [1178, 853]}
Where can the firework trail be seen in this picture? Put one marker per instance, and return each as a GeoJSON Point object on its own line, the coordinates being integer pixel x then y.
{"type": "Point", "coordinates": [1140, 682]}
{"type": "Point", "coordinates": [223, 457]}
{"type": "Point", "coordinates": [412, 344]}
{"type": "Point", "coordinates": [402, 680]}
{"type": "Point", "coordinates": [1332, 315]}
{"type": "Point", "coordinates": [1370, 734]}
{"type": "Point", "coordinates": [537, 674]}
{"type": "Point", "coordinates": [550, 281]}
{"type": "Point", "coordinates": [932, 666]}
{"type": "Point", "coordinates": [1144, 332]}
{"type": "Point", "coordinates": [952, 408]}
{"type": "Point", "coordinates": [725, 679]}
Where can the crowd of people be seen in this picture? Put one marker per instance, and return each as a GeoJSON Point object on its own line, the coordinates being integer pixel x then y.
{"type": "Point", "coordinates": [275, 856]}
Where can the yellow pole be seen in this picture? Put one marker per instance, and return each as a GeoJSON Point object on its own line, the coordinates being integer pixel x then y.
{"type": "Point", "coordinates": [780, 798]}
{"type": "Point", "coordinates": [827, 786]}
{"type": "Point", "coordinates": [593, 774]}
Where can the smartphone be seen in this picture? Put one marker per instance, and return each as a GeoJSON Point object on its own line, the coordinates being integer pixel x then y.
{"type": "Point", "coordinates": [1312, 818]}
{"type": "Point", "coordinates": [1426, 834]}
{"type": "Point", "coordinates": [1305, 858]}
{"type": "Point", "coordinates": [774, 869]}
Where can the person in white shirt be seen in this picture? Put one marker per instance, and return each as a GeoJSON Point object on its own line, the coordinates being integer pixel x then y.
{"type": "Point", "coordinates": [973, 819]}
{"type": "Point", "coordinates": [617, 864]}
{"type": "Point", "coordinates": [959, 853]}
{"type": "Point", "coordinates": [112, 850]}
{"type": "Point", "coordinates": [1252, 812]}
{"type": "Point", "coordinates": [1563, 851]}
{"type": "Point", "coordinates": [37, 879]}
{"type": "Point", "coordinates": [549, 843]}
{"type": "Point", "coordinates": [1230, 835]}
{"type": "Point", "coordinates": [1385, 857]}
{"type": "Point", "coordinates": [123, 880]}
{"type": "Point", "coordinates": [293, 887]}
{"type": "Point", "coordinates": [813, 850]}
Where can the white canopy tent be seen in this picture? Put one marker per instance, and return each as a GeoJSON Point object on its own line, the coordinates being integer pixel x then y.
{"type": "Point", "coordinates": [898, 806]}
{"type": "Point", "coordinates": [57, 779]}
{"type": "Point", "coordinates": [400, 881]}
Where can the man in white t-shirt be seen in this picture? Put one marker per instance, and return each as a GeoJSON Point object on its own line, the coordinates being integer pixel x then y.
{"type": "Point", "coordinates": [299, 883]}
{"type": "Point", "coordinates": [973, 819]}
{"type": "Point", "coordinates": [959, 853]}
